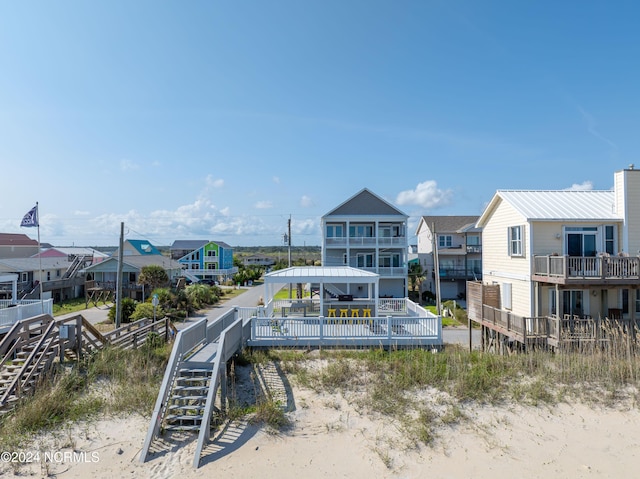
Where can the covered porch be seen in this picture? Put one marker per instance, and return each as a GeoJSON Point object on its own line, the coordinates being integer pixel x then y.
{"type": "Point", "coordinates": [346, 312]}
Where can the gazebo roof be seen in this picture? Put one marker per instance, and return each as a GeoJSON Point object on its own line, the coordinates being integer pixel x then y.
{"type": "Point", "coordinates": [321, 274]}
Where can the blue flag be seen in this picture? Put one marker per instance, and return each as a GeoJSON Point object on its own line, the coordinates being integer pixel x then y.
{"type": "Point", "coordinates": [31, 218]}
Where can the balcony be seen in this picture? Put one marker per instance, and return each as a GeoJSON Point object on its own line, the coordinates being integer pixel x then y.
{"type": "Point", "coordinates": [369, 241]}
{"type": "Point", "coordinates": [460, 273]}
{"type": "Point", "coordinates": [474, 249]}
{"type": "Point", "coordinates": [592, 269]}
{"type": "Point", "coordinates": [392, 271]}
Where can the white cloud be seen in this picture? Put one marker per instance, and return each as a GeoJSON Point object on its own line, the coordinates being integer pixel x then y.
{"type": "Point", "coordinates": [128, 165]}
{"type": "Point", "coordinates": [214, 182]}
{"type": "Point", "coordinates": [584, 186]}
{"type": "Point", "coordinates": [276, 180]}
{"type": "Point", "coordinates": [263, 205]}
{"type": "Point", "coordinates": [306, 201]}
{"type": "Point", "coordinates": [426, 194]}
{"type": "Point", "coordinates": [81, 213]}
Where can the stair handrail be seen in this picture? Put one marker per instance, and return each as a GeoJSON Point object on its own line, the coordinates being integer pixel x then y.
{"type": "Point", "coordinates": [8, 346]}
{"type": "Point", "coordinates": [226, 349]}
{"type": "Point", "coordinates": [186, 340]}
{"type": "Point", "coordinates": [27, 363]}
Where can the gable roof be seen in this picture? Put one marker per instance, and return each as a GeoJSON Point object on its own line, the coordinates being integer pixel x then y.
{"type": "Point", "coordinates": [450, 224]}
{"type": "Point", "coordinates": [365, 203]}
{"type": "Point", "coordinates": [16, 239]}
{"type": "Point", "coordinates": [190, 245]}
{"type": "Point", "coordinates": [143, 247]}
{"type": "Point", "coordinates": [560, 205]}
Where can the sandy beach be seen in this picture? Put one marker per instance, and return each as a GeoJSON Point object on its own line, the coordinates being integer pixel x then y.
{"type": "Point", "coordinates": [329, 437]}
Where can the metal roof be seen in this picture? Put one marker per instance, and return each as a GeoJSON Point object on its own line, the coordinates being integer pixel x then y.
{"type": "Point", "coordinates": [561, 205]}
{"type": "Point", "coordinates": [321, 274]}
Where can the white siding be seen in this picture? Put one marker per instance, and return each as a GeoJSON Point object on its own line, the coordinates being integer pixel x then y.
{"type": "Point", "coordinates": [498, 266]}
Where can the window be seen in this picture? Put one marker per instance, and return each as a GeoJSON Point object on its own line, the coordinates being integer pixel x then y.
{"type": "Point", "coordinates": [211, 252]}
{"type": "Point", "coordinates": [573, 303]}
{"type": "Point", "coordinates": [506, 296]}
{"type": "Point", "coordinates": [473, 240]}
{"type": "Point", "coordinates": [515, 241]}
{"type": "Point", "coordinates": [389, 261]}
{"type": "Point", "coordinates": [637, 301]}
{"type": "Point", "coordinates": [335, 231]}
{"type": "Point", "coordinates": [445, 241]}
{"type": "Point", "coordinates": [364, 260]}
{"type": "Point", "coordinates": [361, 231]}
{"type": "Point", "coordinates": [581, 241]}
{"type": "Point", "coordinates": [345, 259]}
{"type": "Point", "coordinates": [609, 240]}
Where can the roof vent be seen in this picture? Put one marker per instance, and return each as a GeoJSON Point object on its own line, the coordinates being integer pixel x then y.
{"type": "Point", "coordinates": [631, 166]}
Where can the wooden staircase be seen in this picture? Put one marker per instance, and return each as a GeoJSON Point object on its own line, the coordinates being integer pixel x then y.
{"type": "Point", "coordinates": [30, 349]}
{"type": "Point", "coordinates": [188, 399]}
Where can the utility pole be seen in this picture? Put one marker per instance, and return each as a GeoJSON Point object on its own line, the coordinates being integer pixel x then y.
{"type": "Point", "coordinates": [436, 266]}
{"type": "Point", "coordinates": [119, 278]}
{"type": "Point", "coordinates": [289, 241]}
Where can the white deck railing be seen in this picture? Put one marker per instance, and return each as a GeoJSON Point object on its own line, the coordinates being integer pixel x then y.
{"type": "Point", "coordinates": [345, 331]}
{"type": "Point", "coordinates": [11, 313]}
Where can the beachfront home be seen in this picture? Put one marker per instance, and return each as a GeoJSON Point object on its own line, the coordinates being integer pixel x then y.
{"type": "Point", "coordinates": [101, 278]}
{"type": "Point", "coordinates": [59, 276]}
{"type": "Point", "coordinates": [210, 261]}
{"type": "Point", "coordinates": [458, 243]}
{"type": "Point", "coordinates": [368, 233]}
{"type": "Point", "coordinates": [557, 255]}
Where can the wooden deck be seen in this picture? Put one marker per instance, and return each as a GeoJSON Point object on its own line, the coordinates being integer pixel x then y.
{"type": "Point", "coordinates": [505, 331]}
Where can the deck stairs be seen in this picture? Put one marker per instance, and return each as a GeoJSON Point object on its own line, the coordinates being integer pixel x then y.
{"type": "Point", "coordinates": [194, 388]}
{"type": "Point", "coordinates": [192, 277]}
{"type": "Point", "coordinates": [32, 347]}
{"type": "Point", "coordinates": [26, 360]}
{"type": "Point", "coordinates": [188, 399]}
{"type": "Point", "coordinates": [333, 290]}
{"type": "Point", "coordinates": [77, 263]}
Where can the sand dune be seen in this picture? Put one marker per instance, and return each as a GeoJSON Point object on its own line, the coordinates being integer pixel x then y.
{"type": "Point", "coordinates": [330, 438]}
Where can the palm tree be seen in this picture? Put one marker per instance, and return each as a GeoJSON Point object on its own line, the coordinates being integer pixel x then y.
{"type": "Point", "coordinates": [416, 277]}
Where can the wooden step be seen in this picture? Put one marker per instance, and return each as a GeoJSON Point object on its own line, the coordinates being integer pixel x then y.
{"type": "Point", "coordinates": [177, 397]}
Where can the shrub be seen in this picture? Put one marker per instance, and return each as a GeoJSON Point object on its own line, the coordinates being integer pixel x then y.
{"type": "Point", "coordinates": [128, 306]}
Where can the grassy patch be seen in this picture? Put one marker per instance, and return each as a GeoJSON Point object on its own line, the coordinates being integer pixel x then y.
{"type": "Point", "coordinates": [112, 380]}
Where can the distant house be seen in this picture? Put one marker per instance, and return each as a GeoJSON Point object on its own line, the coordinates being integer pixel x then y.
{"type": "Point", "coordinates": [210, 261]}
{"type": "Point", "coordinates": [102, 277]}
{"type": "Point", "coordinates": [17, 246]}
{"type": "Point", "coordinates": [59, 275]}
{"type": "Point", "coordinates": [368, 233]}
{"type": "Point", "coordinates": [258, 260]}
{"type": "Point", "coordinates": [181, 248]}
{"type": "Point", "coordinates": [137, 247]}
{"type": "Point", "coordinates": [459, 245]}
{"type": "Point", "coordinates": [89, 255]}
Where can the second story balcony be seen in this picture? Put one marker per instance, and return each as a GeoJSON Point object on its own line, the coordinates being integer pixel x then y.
{"type": "Point", "coordinates": [383, 271]}
{"type": "Point", "coordinates": [369, 241]}
{"type": "Point", "coordinates": [591, 269]}
{"type": "Point", "coordinates": [460, 273]}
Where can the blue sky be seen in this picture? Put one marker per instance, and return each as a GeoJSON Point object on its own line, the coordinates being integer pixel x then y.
{"type": "Point", "coordinates": [221, 120]}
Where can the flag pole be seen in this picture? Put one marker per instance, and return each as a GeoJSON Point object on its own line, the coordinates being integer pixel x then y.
{"type": "Point", "coordinates": [40, 259]}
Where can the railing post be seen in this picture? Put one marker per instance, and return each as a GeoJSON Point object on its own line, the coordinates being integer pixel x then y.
{"type": "Point", "coordinates": [321, 327]}
{"type": "Point", "coordinates": [389, 328]}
